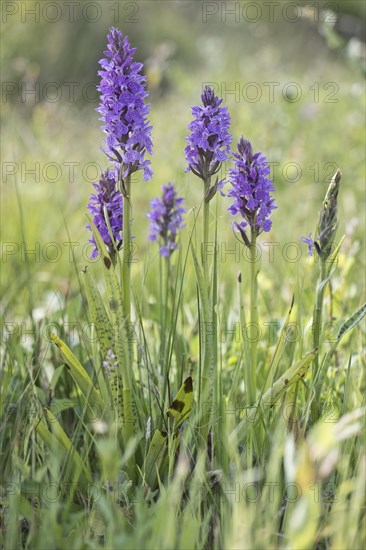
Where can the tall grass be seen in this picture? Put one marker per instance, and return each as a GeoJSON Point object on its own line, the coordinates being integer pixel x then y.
{"type": "Point", "coordinates": [156, 420]}
{"type": "Point", "coordinates": [278, 473]}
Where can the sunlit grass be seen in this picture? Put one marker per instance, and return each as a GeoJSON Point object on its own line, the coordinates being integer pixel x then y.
{"type": "Point", "coordinates": [68, 484]}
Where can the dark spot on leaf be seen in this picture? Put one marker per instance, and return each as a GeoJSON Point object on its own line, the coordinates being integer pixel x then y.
{"type": "Point", "coordinates": [239, 278]}
{"type": "Point", "coordinates": [286, 381]}
{"type": "Point", "coordinates": [107, 262]}
{"type": "Point", "coordinates": [85, 269]}
{"type": "Point", "coordinates": [113, 305]}
{"type": "Point", "coordinates": [177, 405]}
{"type": "Point", "coordinates": [188, 388]}
{"type": "Point", "coordinates": [164, 434]}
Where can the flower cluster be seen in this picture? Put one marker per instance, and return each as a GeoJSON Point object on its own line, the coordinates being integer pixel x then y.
{"type": "Point", "coordinates": [251, 188]}
{"type": "Point", "coordinates": [123, 110]}
{"type": "Point", "coordinates": [124, 115]}
{"type": "Point", "coordinates": [166, 219]}
{"type": "Point", "coordinates": [209, 141]}
{"type": "Point", "coordinates": [106, 207]}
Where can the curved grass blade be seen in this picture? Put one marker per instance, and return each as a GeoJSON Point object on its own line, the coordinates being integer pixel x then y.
{"type": "Point", "coordinates": [58, 448]}
{"type": "Point", "coordinates": [79, 374]}
{"type": "Point", "coordinates": [352, 322]}
{"type": "Point", "coordinates": [348, 325]}
{"type": "Point", "coordinates": [269, 398]}
{"type": "Point", "coordinates": [154, 457]}
{"type": "Point", "coordinates": [279, 349]}
{"type": "Point", "coordinates": [61, 436]}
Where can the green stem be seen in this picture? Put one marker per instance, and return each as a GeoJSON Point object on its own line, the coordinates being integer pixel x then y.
{"type": "Point", "coordinates": [317, 330]}
{"type": "Point", "coordinates": [254, 268]}
{"type": "Point", "coordinates": [165, 297]}
{"type": "Point", "coordinates": [317, 317]}
{"type": "Point", "coordinates": [164, 350]}
{"type": "Point", "coordinates": [128, 398]}
{"type": "Point", "coordinates": [217, 396]}
{"type": "Point", "coordinates": [206, 224]}
{"type": "Point", "coordinates": [126, 268]}
{"type": "Point", "coordinates": [206, 373]}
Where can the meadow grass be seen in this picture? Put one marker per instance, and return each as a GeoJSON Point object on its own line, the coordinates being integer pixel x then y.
{"type": "Point", "coordinates": [96, 458]}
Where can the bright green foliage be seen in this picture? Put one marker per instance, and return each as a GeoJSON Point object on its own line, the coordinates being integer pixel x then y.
{"type": "Point", "coordinates": [102, 443]}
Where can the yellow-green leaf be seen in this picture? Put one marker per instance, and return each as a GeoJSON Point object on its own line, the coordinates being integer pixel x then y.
{"type": "Point", "coordinates": [154, 456]}
{"type": "Point", "coordinates": [181, 406]}
{"type": "Point", "coordinates": [271, 396]}
{"type": "Point", "coordinates": [79, 374]}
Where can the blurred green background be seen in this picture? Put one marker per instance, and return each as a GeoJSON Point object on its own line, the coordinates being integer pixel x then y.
{"type": "Point", "coordinates": [313, 56]}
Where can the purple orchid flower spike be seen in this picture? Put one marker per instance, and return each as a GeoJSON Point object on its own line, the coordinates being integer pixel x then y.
{"type": "Point", "coordinates": [107, 201]}
{"type": "Point", "coordinates": [251, 190]}
{"type": "Point", "coordinates": [123, 109]}
{"type": "Point", "coordinates": [166, 219]}
{"type": "Point", "coordinates": [209, 142]}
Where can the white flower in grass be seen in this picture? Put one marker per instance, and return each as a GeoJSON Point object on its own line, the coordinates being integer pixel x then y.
{"type": "Point", "coordinates": [110, 362]}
